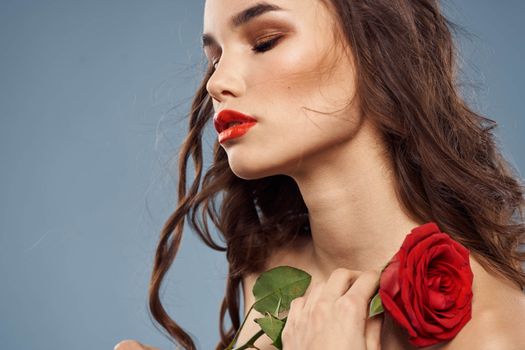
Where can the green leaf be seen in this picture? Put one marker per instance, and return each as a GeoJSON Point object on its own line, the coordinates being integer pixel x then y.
{"type": "Point", "coordinates": [376, 306]}
{"type": "Point", "coordinates": [273, 328]}
{"type": "Point", "coordinates": [275, 289]}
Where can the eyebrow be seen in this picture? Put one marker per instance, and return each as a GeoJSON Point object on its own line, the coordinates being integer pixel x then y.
{"type": "Point", "coordinates": [242, 18]}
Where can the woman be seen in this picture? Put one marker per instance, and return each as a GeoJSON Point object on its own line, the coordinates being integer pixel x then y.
{"type": "Point", "coordinates": [354, 134]}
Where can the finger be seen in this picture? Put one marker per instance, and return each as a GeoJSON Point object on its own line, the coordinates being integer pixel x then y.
{"type": "Point", "coordinates": [359, 295]}
{"type": "Point", "coordinates": [294, 314]}
{"type": "Point", "coordinates": [339, 282]}
{"type": "Point", "coordinates": [149, 347]}
{"type": "Point", "coordinates": [365, 286]}
{"type": "Point", "coordinates": [373, 332]}
{"type": "Point", "coordinates": [313, 296]}
{"type": "Point", "coordinates": [130, 344]}
{"type": "Point", "coordinates": [296, 307]}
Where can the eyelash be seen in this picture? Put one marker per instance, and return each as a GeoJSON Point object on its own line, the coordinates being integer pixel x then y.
{"type": "Point", "coordinates": [266, 45]}
{"type": "Point", "coordinates": [260, 48]}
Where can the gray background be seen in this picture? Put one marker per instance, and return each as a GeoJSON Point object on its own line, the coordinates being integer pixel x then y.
{"type": "Point", "coordinates": [92, 102]}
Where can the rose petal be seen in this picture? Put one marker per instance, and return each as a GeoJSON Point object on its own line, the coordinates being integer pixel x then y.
{"type": "Point", "coordinates": [389, 280]}
{"type": "Point", "coordinates": [418, 235]}
{"type": "Point", "coordinates": [439, 301]}
{"type": "Point", "coordinates": [427, 286]}
{"type": "Point", "coordinates": [423, 342]}
{"type": "Point", "coordinates": [397, 314]}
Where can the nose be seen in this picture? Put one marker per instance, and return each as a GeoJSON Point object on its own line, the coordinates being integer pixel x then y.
{"type": "Point", "coordinates": [226, 81]}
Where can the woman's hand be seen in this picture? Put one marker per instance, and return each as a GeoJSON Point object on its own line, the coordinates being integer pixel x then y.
{"type": "Point", "coordinates": [335, 314]}
{"type": "Point", "coordinates": [132, 345]}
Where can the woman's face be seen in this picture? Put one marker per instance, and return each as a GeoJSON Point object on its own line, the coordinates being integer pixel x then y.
{"type": "Point", "coordinates": [286, 86]}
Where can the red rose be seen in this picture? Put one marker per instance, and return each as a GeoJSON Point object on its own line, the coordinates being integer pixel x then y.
{"type": "Point", "coordinates": [427, 286]}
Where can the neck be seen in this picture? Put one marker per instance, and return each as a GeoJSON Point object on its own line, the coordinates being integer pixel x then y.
{"type": "Point", "coordinates": [356, 219]}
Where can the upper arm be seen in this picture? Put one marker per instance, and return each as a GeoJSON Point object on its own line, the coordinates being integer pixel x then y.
{"type": "Point", "coordinates": [251, 327]}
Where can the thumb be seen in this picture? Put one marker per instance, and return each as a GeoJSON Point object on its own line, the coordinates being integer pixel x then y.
{"type": "Point", "coordinates": [149, 347]}
{"type": "Point", "coordinates": [133, 345]}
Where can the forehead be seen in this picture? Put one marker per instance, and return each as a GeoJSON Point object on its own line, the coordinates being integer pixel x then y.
{"type": "Point", "coordinates": [230, 15]}
{"type": "Point", "coordinates": [234, 13]}
{"type": "Point", "coordinates": [313, 19]}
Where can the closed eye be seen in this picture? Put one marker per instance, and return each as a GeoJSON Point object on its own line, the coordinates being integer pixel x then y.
{"type": "Point", "coordinates": [266, 45]}
{"type": "Point", "coordinates": [261, 47]}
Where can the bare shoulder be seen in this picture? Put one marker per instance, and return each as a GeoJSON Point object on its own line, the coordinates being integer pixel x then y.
{"type": "Point", "coordinates": [285, 256]}
{"type": "Point", "coordinates": [494, 330]}
{"type": "Point", "coordinates": [498, 316]}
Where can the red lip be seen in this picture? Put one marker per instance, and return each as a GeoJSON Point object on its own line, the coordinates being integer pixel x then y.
{"type": "Point", "coordinates": [234, 132]}
{"type": "Point", "coordinates": [226, 116]}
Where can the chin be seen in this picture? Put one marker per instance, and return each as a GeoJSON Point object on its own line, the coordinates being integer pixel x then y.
{"type": "Point", "coordinates": [250, 171]}
{"type": "Point", "coordinates": [253, 165]}
{"type": "Point", "coordinates": [257, 169]}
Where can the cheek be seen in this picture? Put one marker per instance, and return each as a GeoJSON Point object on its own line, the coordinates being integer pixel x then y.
{"type": "Point", "coordinates": [309, 90]}
{"type": "Point", "coordinates": [312, 108]}
{"type": "Point", "coordinates": [304, 103]}
{"type": "Point", "coordinates": [288, 136]}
